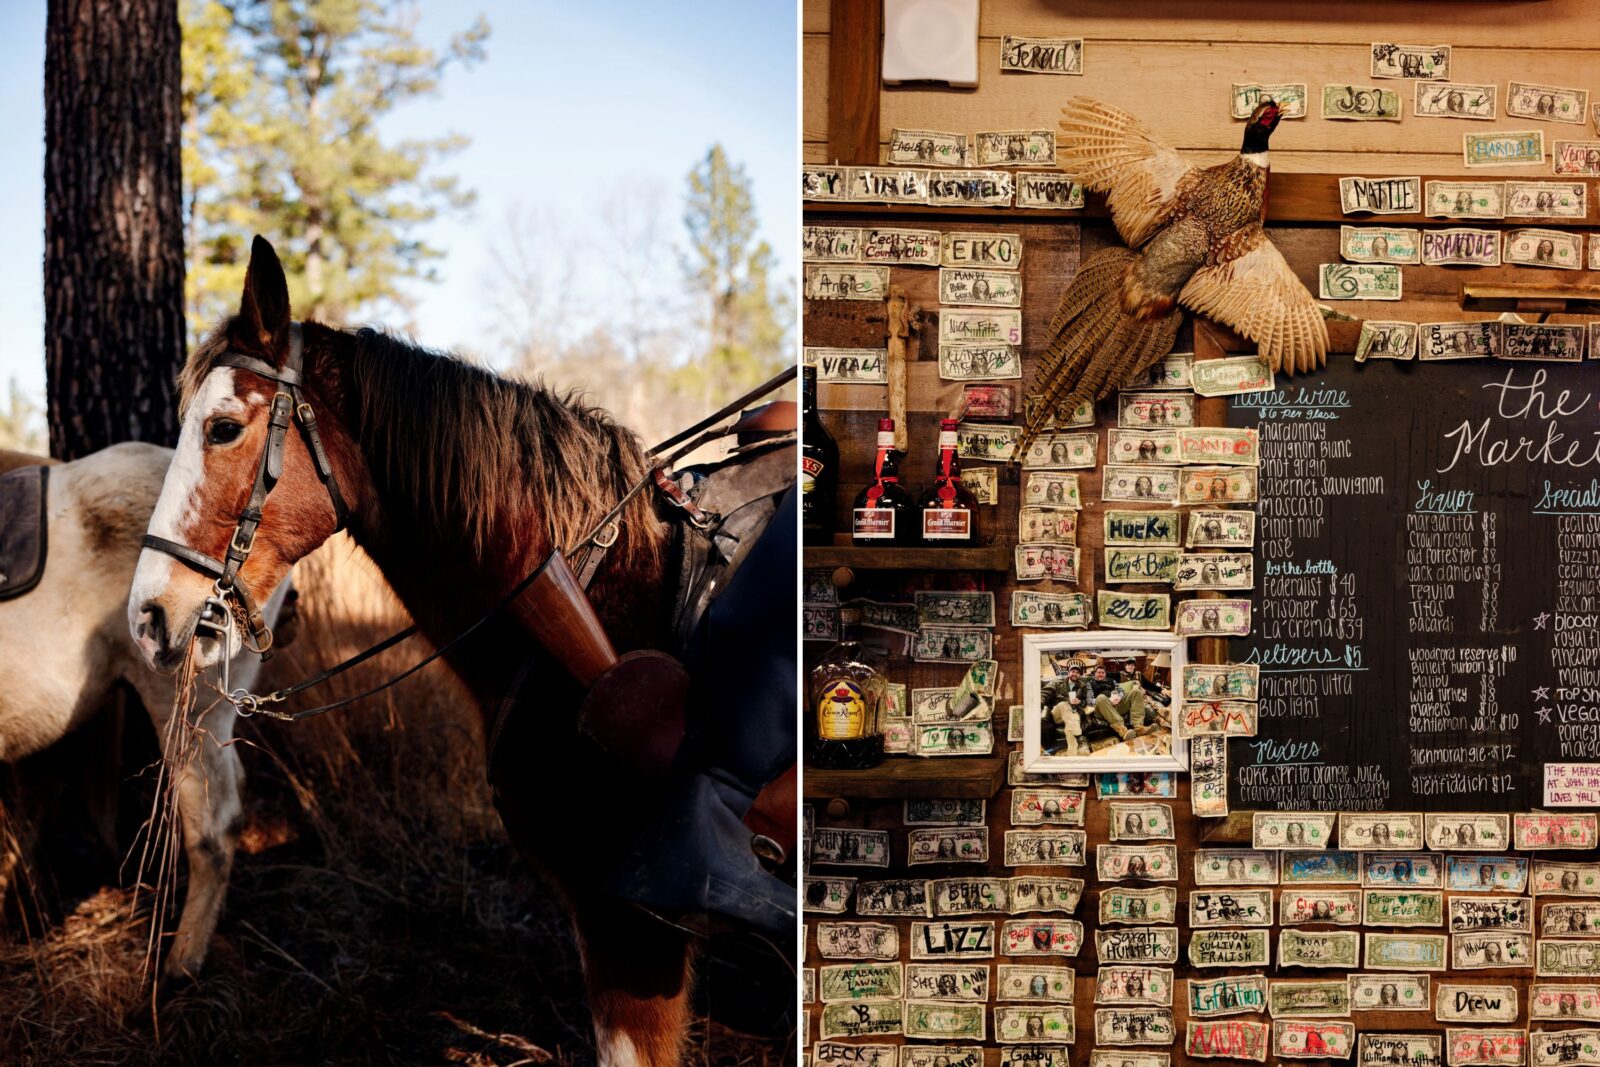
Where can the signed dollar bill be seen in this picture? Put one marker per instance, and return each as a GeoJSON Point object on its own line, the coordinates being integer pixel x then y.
{"type": "Point", "coordinates": [1158, 565]}
{"type": "Point", "coordinates": [1291, 829]}
{"type": "Point", "coordinates": [1145, 485]}
{"type": "Point", "coordinates": [988, 288]}
{"type": "Point", "coordinates": [1051, 489]}
{"type": "Point", "coordinates": [1133, 1026]}
{"type": "Point", "coordinates": [913, 248]}
{"type": "Point", "coordinates": [852, 848]}
{"type": "Point", "coordinates": [1405, 952]}
{"type": "Point", "coordinates": [1232, 1039]}
{"type": "Point", "coordinates": [1338, 867]}
{"type": "Point", "coordinates": [1404, 907]}
{"type": "Point", "coordinates": [1563, 1001]}
{"type": "Point", "coordinates": [1141, 528]}
{"type": "Point", "coordinates": [1475, 1003]}
{"type": "Point", "coordinates": [1031, 893]}
{"type": "Point", "coordinates": [1145, 411]}
{"type": "Point", "coordinates": [1361, 103]}
{"type": "Point", "coordinates": [1380, 244]}
{"type": "Point", "coordinates": [1208, 777]}
{"type": "Point", "coordinates": [1512, 148]}
{"type": "Point", "coordinates": [945, 940]}
{"type": "Point", "coordinates": [1047, 525]}
{"type": "Point", "coordinates": [1486, 948]}
{"type": "Point", "coordinates": [954, 608]}
{"type": "Point", "coordinates": [824, 183]}
{"type": "Point", "coordinates": [1140, 944]}
{"type": "Point", "coordinates": [1514, 914]}
{"type": "Point", "coordinates": [1214, 618]}
{"type": "Point", "coordinates": [1138, 907]}
{"type": "Point", "coordinates": [1358, 281]}
{"type": "Point", "coordinates": [1050, 610]}
{"type": "Point", "coordinates": [1454, 100]}
{"type": "Point", "coordinates": [1319, 948]}
{"type": "Point", "coordinates": [1421, 1050]}
{"type": "Point", "coordinates": [1033, 1025]}
{"type": "Point", "coordinates": [1539, 830]}
{"type": "Point", "coordinates": [861, 981]}
{"type": "Point", "coordinates": [1580, 159]}
{"type": "Point", "coordinates": [1552, 878]}
{"type": "Point", "coordinates": [1542, 342]}
{"type": "Point", "coordinates": [1214, 570]}
{"type": "Point", "coordinates": [1467, 200]}
{"type": "Point", "coordinates": [979, 362]}
{"type": "Point", "coordinates": [949, 844]}
{"type": "Point", "coordinates": [1394, 869]}
{"type": "Point", "coordinates": [1477, 1048]}
{"type": "Point", "coordinates": [1458, 340]}
{"type": "Point", "coordinates": [867, 1019]}
{"type": "Point", "coordinates": [945, 1021]}
{"type": "Point", "coordinates": [1048, 191]}
{"type": "Point", "coordinates": [1427, 61]}
{"type": "Point", "coordinates": [945, 644]}
{"type": "Point", "coordinates": [1045, 848]}
{"type": "Point", "coordinates": [1341, 907]}
{"type": "Point", "coordinates": [939, 981]}
{"type": "Point", "coordinates": [849, 366]}
{"type": "Point", "coordinates": [1235, 867]}
{"type": "Point", "coordinates": [1062, 451]}
{"type": "Point", "coordinates": [1133, 611]}
{"type": "Point", "coordinates": [987, 441]}
{"type": "Point", "coordinates": [1568, 920]}
{"type": "Point", "coordinates": [987, 403]}
{"type": "Point", "coordinates": [1209, 528]}
{"type": "Point", "coordinates": [830, 244]}
{"type": "Point", "coordinates": [1150, 863]}
{"type": "Point", "coordinates": [1380, 830]}
{"type": "Point", "coordinates": [1134, 821]}
{"type": "Point", "coordinates": [1564, 1048]}
{"type": "Point", "coordinates": [1463, 247]}
{"type": "Point", "coordinates": [1487, 874]}
{"type": "Point", "coordinates": [1389, 992]}
{"type": "Point", "coordinates": [965, 249]}
{"type": "Point", "coordinates": [1041, 937]}
{"type": "Point", "coordinates": [1229, 948]}
{"type": "Point", "coordinates": [1386, 339]}
{"type": "Point", "coordinates": [1216, 445]}
{"type": "Point", "coordinates": [858, 941]}
{"type": "Point", "coordinates": [1303, 1039]}
{"type": "Point", "coordinates": [1133, 985]}
{"type": "Point", "coordinates": [1230, 907]}
{"type": "Point", "coordinates": [943, 812]}
{"type": "Point", "coordinates": [1035, 983]}
{"type": "Point", "coordinates": [831, 896]}
{"type": "Point", "coordinates": [1469, 831]}
{"type": "Point", "coordinates": [1547, 103]}
{"type": "Point", "coordinates": [1230, 995]}
{"type": "Point", "coordinates": [1037, 1056]}
{"type": "Point", "coordinates": [1035, 563]}
{"type": "Point", "coordinates": [1216, 485]}
{"type": "Point", "coordinates": [1218, 718]}
{"type": "Point", "coordinates": [1547, 200]}
{"type": "Point", "coordinates": [1041, 55]}
{"type": "Point", "coordinates": [1053, 807]}
{"type": "Point", "coordinates": [1314, 998]}
{"type": "Point", "coordinates": [971, 188]}
{"type": "Point", "coordinates": [847, 282]}
{"type": "Point", "coordinates": [967, 739]}
{"type": "Point", "coordinates": [979, 327]}
{"type": "Point", "coordinates": [1380, 196]}
{"type": "Point", "coordinates": [1142, 447]}
{"type": "Point", "coordinates": [1015, 148]}
{"type": "Point", "coordinates": [1231, 376]}
{"type": "Point", "coordinates": [1567, 958]}
{"type": "Point", "coordinates": [895, 896]}
{"type": "Point", "coordinates": [1290, 98]}
{"type": "Point", "coordinates": [933, 1055]}
{"type": "Point", "coordinates": [928, 148]}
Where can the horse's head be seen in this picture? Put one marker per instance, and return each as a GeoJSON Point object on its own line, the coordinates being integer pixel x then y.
{"type": "Point", "coordinates": [262, 475]}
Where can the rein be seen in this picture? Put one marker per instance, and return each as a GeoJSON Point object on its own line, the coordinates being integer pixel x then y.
{"type": "Point", "coordinates": [593, 545]}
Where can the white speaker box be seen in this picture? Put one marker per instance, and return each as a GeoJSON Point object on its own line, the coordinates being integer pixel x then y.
{"type": "Point", "coordinates": [930, 40]}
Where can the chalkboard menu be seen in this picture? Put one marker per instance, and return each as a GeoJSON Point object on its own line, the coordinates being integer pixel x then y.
{"type": "Point", "coordinates": [1427, 602]}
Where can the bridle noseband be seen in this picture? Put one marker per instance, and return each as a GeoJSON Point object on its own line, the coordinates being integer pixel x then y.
{"type": "Point", "coordinates": [288, 403]}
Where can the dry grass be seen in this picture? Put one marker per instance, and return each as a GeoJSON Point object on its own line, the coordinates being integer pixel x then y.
{"type": "Point", "coordinates": [377, 914]}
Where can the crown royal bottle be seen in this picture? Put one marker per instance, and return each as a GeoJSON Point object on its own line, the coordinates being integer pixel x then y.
{"type": "Point", "coordinates": [949, 510]}
{"type": "Point", "coordinates": [884, 513]}
{"type": "Point", "coordinates": [847, 690]}
{"type": "Point", "coordinates": [819, 468]}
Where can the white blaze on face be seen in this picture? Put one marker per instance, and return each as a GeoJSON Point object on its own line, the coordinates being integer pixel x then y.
{"type": "Point", "coordinates": [180, 493]}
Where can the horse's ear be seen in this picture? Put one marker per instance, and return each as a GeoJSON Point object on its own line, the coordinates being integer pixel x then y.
{"type": "Point", "coordinates": [264, 308]}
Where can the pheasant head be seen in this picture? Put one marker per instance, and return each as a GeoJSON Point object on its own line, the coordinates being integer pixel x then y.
{"type": "Point", "coordinates": [1263, 120]}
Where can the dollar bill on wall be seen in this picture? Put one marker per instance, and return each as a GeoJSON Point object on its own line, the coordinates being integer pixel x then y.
{"type": "Point", "coordinates": [1386, 339]}
{"type": "Point", "coordinates": [1426, 61]}
{"type": "Point", "coordinates": [1454, 100]}
{"type": "Point", "coordinates": [1547, 103]}
{"type": "Point", "coordinates": [1360, 103]}
{"type": "Point", "coordinates": [1467, 200]}
{"type": "Point", "coordinates": [928, 148]}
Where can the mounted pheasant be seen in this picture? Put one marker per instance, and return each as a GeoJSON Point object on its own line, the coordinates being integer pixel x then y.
{"type": "Point", "coordinates": [1194, 239]}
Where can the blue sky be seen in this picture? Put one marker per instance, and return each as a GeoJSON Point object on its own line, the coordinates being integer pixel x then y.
{"type": "Point", "coordinates": [562, 87]}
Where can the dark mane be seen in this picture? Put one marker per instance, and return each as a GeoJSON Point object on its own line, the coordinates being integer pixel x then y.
{"type": "Point", "coordinates": [463, 452]}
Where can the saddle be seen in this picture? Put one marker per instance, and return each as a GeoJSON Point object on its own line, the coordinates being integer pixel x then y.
{"type": "Point", "coordinates": [24, 533]}
{"type": "Point", "coordinates": [700, 735]}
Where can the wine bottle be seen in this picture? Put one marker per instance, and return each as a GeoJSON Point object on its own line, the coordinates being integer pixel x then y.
{"type": "Point", "coordinates": [884, 513]}
{"type": "Point", "coordinates": [949, 510]}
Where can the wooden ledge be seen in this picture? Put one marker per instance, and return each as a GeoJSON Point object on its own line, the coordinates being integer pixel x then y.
{"type": "Point", "coordinates": [981, 558]}
{"type": "Point", "coordinates": [916, 777]}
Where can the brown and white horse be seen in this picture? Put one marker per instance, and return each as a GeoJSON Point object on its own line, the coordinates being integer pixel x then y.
{"type": "Point", "coordinates": [457, 483]}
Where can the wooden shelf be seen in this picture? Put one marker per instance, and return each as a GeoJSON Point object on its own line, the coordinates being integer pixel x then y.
{"type": "Point", "coordinates": [1549, 297]}
{"type": "Point", "coordinates": [964, 777]}
{"type": "Point", "coordinates": [984, 558]}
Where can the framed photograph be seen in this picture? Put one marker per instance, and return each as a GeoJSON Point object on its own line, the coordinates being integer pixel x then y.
{"type": "Point", "coordinates": [1102, 700]}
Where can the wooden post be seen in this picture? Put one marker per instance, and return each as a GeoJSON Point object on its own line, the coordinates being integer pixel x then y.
{"type": "Point", "coordinates": [899, 330]}
{"type": "Point", "coordinates": [855, 65]}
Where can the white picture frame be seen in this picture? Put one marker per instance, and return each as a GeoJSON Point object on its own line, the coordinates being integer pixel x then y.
{"type": "Point", "coordinates": [1035, 649]}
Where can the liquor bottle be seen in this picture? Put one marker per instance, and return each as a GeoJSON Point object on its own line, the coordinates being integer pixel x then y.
{"type": "Point", "coordinates": [819, 468]}
{"type": "Point", "coordinates": [847, 690]}
{"type": "Point", "coordinates": [949, 510]}
{"type": "Point", "coordinates": [884, 513]}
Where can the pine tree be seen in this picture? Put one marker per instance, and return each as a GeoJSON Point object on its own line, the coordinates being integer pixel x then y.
{"type": "Point", "coordinates": [729, 272]}
{"type": "Point", "coordinates": [284, 100]}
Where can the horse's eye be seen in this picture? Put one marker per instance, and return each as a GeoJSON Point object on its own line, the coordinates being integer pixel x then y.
{"type": "Point", "coordinates": [224, 432]}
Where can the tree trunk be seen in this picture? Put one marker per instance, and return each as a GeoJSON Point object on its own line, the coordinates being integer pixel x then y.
{"type": "Point", "coordinates": [113, 260]}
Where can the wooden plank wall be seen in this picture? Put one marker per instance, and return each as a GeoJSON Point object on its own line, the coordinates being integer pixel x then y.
{"type": "Point", "coordinates": [1171, 62]}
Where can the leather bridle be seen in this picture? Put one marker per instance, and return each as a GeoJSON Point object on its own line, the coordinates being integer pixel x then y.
{"type": "Point", "coordinates": [231, 596]}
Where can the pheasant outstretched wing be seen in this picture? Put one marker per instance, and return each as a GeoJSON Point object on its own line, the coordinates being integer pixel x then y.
{"type": "Point", "coordinates": [1106, 149]}
{"type": "Point", "coordinates": [1256, 293]}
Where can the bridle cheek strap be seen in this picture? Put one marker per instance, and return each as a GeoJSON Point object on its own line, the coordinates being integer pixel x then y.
{"type": "Point", "coordinates": [288, 405]}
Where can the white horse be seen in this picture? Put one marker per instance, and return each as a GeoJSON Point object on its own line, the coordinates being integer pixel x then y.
{"type": "Point", "coordinates": [67, 644]}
